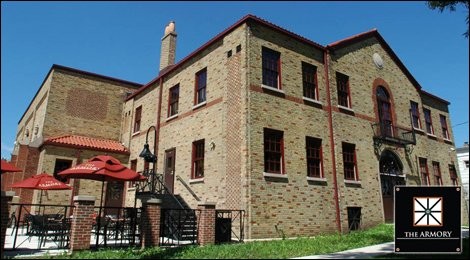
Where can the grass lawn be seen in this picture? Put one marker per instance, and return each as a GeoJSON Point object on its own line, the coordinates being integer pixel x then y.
{"type": "Point", "coordinates": [287, 248]}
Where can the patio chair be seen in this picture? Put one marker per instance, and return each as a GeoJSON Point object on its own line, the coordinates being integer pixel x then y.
{"type": "Point", "coordinates": [100, 228]}
{"type": "Point", "coordinates": [38, 228]}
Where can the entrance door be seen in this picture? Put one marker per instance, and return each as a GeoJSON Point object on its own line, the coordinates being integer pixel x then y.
{"type": "Point", "coordinates": [388, 183]}
{"type": "Point", "coordinates": [114, 196]}
{"type": "Point", "coordinates": [391, 174]}
{"type": "Point", "coordinates": [169, 177]}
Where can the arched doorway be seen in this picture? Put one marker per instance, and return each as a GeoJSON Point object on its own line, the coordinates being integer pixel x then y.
{"type": "Point", "coordinates": [391, 174]}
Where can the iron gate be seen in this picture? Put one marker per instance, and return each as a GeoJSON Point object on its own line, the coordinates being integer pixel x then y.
{"type": "Point", "coordinates": [178, 227]}
{"type": "Point", "coordinates": [117, 227]}
{"type": "Point", "coordinates": [229, 226]}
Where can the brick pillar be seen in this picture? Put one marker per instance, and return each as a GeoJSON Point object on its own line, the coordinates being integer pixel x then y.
{"type": "Point", "coordinates": [6, 198]}
{"type": "Point", "coordinates": [206, 223]}
{"type": "Point", "coordinates": [150, 227]}
{"type": "Point", "coordinates": [82, 222]}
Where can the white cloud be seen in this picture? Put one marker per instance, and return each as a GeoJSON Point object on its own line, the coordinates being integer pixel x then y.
{"type": "Point", "coordinates": [6, 150]}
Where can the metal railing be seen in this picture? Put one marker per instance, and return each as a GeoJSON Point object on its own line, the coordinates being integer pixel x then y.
{"type": "Point", "coordinates": [46, 227]}
{"type": "Point", "coordinates": [117, 227]}
{"type": "Point", "coordinates": [188, 188]}
{"type": "Point", "coordinates": [179, 227]}
{"type": "Point", "coordinates": [229, 225]}
{"type": "Point", "coordinates": [160, 188]}
{"type": "Point", "coordinates": [388, 132]}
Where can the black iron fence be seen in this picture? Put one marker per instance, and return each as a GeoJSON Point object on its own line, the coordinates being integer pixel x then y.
{"type": "Point", "coordinates": [229, 226]}
{"type": "Point", "coordinates": [178, 227]}
{"type": "Point", "coordinates": [38, 226]}
{"type": "Point", "coordinates": [117, 227]}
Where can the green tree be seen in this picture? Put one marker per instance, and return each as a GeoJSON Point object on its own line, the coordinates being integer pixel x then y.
{"type": "Point", "coordinates": [443, 4]}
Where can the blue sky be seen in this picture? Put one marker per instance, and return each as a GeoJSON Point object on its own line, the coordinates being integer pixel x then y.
{"type": "Point", "coordinates": [122, 40]}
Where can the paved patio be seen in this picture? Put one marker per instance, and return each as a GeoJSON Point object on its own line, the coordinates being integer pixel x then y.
{"type": "Point", "coordinates": [27, 245]}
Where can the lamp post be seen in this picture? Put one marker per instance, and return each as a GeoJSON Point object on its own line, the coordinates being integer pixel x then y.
{"type": "Point", "coordinates": [150, 158]}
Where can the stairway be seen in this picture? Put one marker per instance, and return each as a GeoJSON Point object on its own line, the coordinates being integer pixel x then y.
{"type": "Point", "coordinates": [172, 202]}
{"type": "Point", "coordinates": [179, 222]}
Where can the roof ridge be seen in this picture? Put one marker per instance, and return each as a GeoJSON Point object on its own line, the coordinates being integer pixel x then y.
{"type": "Point", "coordinates": [353, 37]}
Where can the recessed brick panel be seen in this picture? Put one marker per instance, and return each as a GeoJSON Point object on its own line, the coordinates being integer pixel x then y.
{"type": "Point", "coordinates": [86, 104]}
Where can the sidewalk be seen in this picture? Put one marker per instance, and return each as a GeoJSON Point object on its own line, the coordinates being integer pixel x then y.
{"type": "Point", "coordinates": [365, 252]}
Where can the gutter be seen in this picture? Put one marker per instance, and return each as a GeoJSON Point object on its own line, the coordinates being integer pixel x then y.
{"type": "Point", "coordinates": [159, 111]}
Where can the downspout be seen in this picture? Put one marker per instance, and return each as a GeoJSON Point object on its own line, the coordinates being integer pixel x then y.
{"type": "Point", "coordinates": [332, 141]}
{"type": "Point", "coordinates": [159, 111]}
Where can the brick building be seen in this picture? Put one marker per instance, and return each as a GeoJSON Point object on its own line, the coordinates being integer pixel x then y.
{"type": "Point", "coordinates": [305, 138]}
{"type": "Point", "coordinates": [74, 116]}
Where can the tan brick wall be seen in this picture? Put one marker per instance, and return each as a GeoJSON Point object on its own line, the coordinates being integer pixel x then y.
{"type": "Point", "coordinates": [148, 99]}
{"type": "Point", "coordinates": [351, 129]}
{"type": "Point", "coordinates": [294, 205]}
{"type": "Point", "coordinates": [35, 112]}
{"type": "Point", "coordinates": [208, 122]}
{"type": "Point", "coordinates": [84, 105]}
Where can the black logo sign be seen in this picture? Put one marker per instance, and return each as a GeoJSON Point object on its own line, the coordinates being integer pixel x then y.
{"type": "Point", "coordinates": [427, 220]}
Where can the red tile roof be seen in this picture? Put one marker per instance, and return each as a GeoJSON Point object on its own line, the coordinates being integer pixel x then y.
{"type": "Point", "coordinates": [87, 143]}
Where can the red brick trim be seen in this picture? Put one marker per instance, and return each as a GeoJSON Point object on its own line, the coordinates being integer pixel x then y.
{"type": "Point", "coordinates": [381, 82]}
{"type": "Point", "coordinates": [191, 112]}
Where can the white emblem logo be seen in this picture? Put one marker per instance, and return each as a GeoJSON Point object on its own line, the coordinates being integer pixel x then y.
{"type": "Point", "coordinates": [427, 211]}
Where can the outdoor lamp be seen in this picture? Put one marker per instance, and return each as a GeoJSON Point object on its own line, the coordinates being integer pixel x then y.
{"type": "Point", "coordinates": [147, 155]}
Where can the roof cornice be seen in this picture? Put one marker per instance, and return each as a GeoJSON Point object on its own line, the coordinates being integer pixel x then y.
{"type": "Point", "coordinates": [434, 97]}
{"type": "Point", "coordinates": [246, 19]}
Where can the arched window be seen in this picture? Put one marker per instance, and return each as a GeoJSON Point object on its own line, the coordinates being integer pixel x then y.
{"type": "Point", "coordinates": [390, 163]}
{"type": "Point", "coordinates": [385, 113]}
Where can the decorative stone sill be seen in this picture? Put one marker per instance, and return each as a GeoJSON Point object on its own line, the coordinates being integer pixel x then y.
{"type": "Point", "coordinates": [275, 175]}
{"type": "Point", "coordinates": [272, 89]}
{"type": "Point", "coordinates": [447, 140]}
{"type": "Point", "coordinates": [352, 182]}
{"type": "Point", "coordinates": [198, 180]}
{"type": "Point", "coordinates": [199, 105]}
{"type": "Point", "coordinates": [431, 135]}
{"type": "Point", "coordinates": [135, 133]}
{"type": "Point", "coordinates": [346, 108]}
{"type": "Point", "coordinates": [316, 179]}
{"type": "Point", "coordinates": [312, 101]}
{"type": "Point", "coordinates": [418, 130]}
{"type": "Point", "coordinates": [171, 117]}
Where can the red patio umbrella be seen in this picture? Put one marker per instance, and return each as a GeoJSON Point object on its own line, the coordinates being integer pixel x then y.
{"type": "Point", "coordinates": [102, 168]}
{"type": "Point", "coordinates": [41, 182]}
{"type": "Point", "coordinates": [8, 167]}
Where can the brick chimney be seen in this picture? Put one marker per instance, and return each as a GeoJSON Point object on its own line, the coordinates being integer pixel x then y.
{"type": "Point", "coordinates": [168, 51]}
